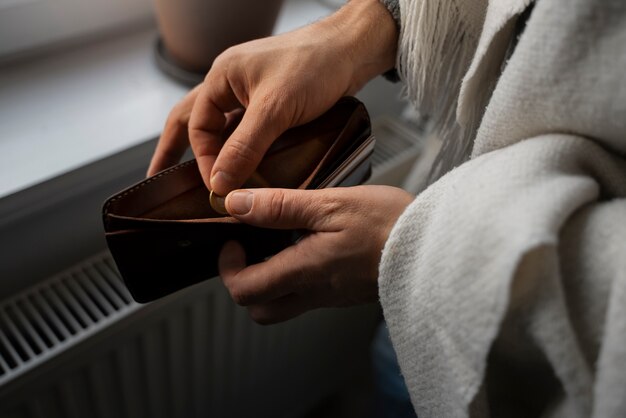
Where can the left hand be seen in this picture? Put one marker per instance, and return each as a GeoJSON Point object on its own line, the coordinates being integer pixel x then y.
{"type": "Point", "coordinates": [281, 81]}
{"type": "Point", "coordinates": [335, 264]}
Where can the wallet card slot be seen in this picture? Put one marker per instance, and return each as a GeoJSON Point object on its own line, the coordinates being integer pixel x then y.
{"type": "Point", "coordinates": [355, 132]}
{"type": "Point", "coordinates": [192, 204]}
{"type": "Point", "coordinates": [347, 165]}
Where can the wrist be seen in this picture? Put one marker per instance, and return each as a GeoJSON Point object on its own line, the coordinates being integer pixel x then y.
{"type": "Point", "coordinates": [368, 35]}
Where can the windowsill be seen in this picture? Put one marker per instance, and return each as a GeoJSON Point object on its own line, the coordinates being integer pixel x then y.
{"type": "Point", "coordinates": [66, 110]}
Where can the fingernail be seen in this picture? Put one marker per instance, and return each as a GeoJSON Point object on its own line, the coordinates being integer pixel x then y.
{"type": "Point", "coordinates": [222, 181]}
{"type": "Point", "coordinates": [240, 202]}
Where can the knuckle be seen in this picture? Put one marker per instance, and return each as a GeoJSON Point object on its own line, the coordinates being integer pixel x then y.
{"type": "Point", "coordinates": [307, 277]}
{"type": "Point", "coordinates": [181, 118]}
{"type": "Point", "coordinates": [328, 210]}
{"type": "Point", "coordinates": [239, 296]}
{"type": "Point", "coordinates": [268, 101]}
{"type": "Point", "coordinates": [220, 62]}
{"type": "Point", "coordinates": [261, 315]}
{"type": "Point", "coordinates": [175, 116]}
{"type": "Point", "coordinates": [275, 105]}
{"type": "Point", "coordinates": [180, 114]}
{"type": "Point", "coordinates": [276, 206]}
{"type": "Point", "coordinates": [230, 53]}
{"type": "Point", "coordinates": [330, 207]}
{"type": "Point", "coordinates": [243, 151]}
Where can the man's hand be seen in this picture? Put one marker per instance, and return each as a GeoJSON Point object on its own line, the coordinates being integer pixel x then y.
{"type": "Point", "coordinates": [281, 82]}
{"type": "Point", "coordinates": [335, 264]}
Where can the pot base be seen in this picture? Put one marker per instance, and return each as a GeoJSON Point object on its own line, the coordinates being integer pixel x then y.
{"type": "Point", "coordinates": [168, 65]}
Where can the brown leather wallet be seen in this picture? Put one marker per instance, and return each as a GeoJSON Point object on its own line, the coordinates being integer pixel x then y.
{"type": "Point", "coordinates": [164, 234]}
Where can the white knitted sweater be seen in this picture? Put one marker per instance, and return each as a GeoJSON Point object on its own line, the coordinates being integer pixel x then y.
{"type": "Point", "coordinates": [504, 283]}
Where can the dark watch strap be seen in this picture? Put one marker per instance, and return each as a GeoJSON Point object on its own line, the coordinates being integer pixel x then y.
{"type": "Point", "coordinates": [393, 6]}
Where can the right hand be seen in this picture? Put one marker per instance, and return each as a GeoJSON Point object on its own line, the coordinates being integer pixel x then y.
{"type": "Point", "coordinates": [281, 82]}
{"type": "Point", "coordinates": [326, 267]}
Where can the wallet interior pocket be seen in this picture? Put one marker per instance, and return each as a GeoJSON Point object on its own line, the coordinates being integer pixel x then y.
{"type": "Point", "coordinates": [295, 161]}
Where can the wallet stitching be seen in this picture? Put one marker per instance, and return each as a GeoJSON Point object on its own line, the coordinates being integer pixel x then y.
{"type": "Point", "coordinates": [146, 182]}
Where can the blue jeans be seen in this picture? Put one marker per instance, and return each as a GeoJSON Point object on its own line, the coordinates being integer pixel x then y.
{"type": "Point", "coordinates": [392, 396]}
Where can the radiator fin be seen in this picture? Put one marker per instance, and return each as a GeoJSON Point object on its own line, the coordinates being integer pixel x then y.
{"type": "Point", "coordinates": [392, 140]}
{"type": "Point", "coordinates": [58, 313]}
{"type": "Point", "coordinates": [193, 354]}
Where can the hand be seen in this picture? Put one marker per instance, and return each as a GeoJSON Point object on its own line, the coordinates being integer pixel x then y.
{"type": "Point", "coordinates": [281, 82]}
{"type": "Point", "coordinates": [335, 264]}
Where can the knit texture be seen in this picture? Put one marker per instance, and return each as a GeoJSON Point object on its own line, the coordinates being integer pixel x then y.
{"type": "Point", "coordinates": [394, 8]}
{"type": "Point", "coordinates": [504, 283]}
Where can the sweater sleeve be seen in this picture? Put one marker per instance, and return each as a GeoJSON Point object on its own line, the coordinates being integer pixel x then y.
{"type": "Point", "coordinates": [483, 244]}
{"type": "Point", "coordinates": [394, 9]}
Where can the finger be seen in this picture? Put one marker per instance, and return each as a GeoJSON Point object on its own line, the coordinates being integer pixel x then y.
{"type": "Point", "coordinates": [232, 121]}
{"type": "Point", "coordinates": [286, 208]}
{"type": "Point", "coordinates": [174, 139]}
{"type": "Point", "coordinates": [282, 309]}
{"type": "Point", "coordinates": [231, 261]}
{"type": "Point", "coordinates": [263, 122]}
{"type": "Point", "coordinates": [287, 272]}
{"type": "Point", "coordinates": [208, 120]}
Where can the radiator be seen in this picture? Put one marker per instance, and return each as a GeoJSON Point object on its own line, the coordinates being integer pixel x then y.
{"type": "Point", "coordinates": [76, 345]}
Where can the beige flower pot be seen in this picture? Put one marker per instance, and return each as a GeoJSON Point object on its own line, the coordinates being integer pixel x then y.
{"type": "Point", "coordinates": [196, 31]}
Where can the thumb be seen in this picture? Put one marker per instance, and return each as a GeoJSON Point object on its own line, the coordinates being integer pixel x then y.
{"type": "Point", "coordinates": [283, 208]}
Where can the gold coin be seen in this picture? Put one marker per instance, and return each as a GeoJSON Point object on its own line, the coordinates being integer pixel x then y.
{"type": "Point", "coordinates": [218, 203]}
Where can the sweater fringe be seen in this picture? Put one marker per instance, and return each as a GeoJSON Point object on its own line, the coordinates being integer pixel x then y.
{"type": "Point", "coordinates": [435, 51]}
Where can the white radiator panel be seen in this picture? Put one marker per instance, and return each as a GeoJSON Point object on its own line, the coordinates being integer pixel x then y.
{"type": "Point", "coordinates": [194, 354]}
